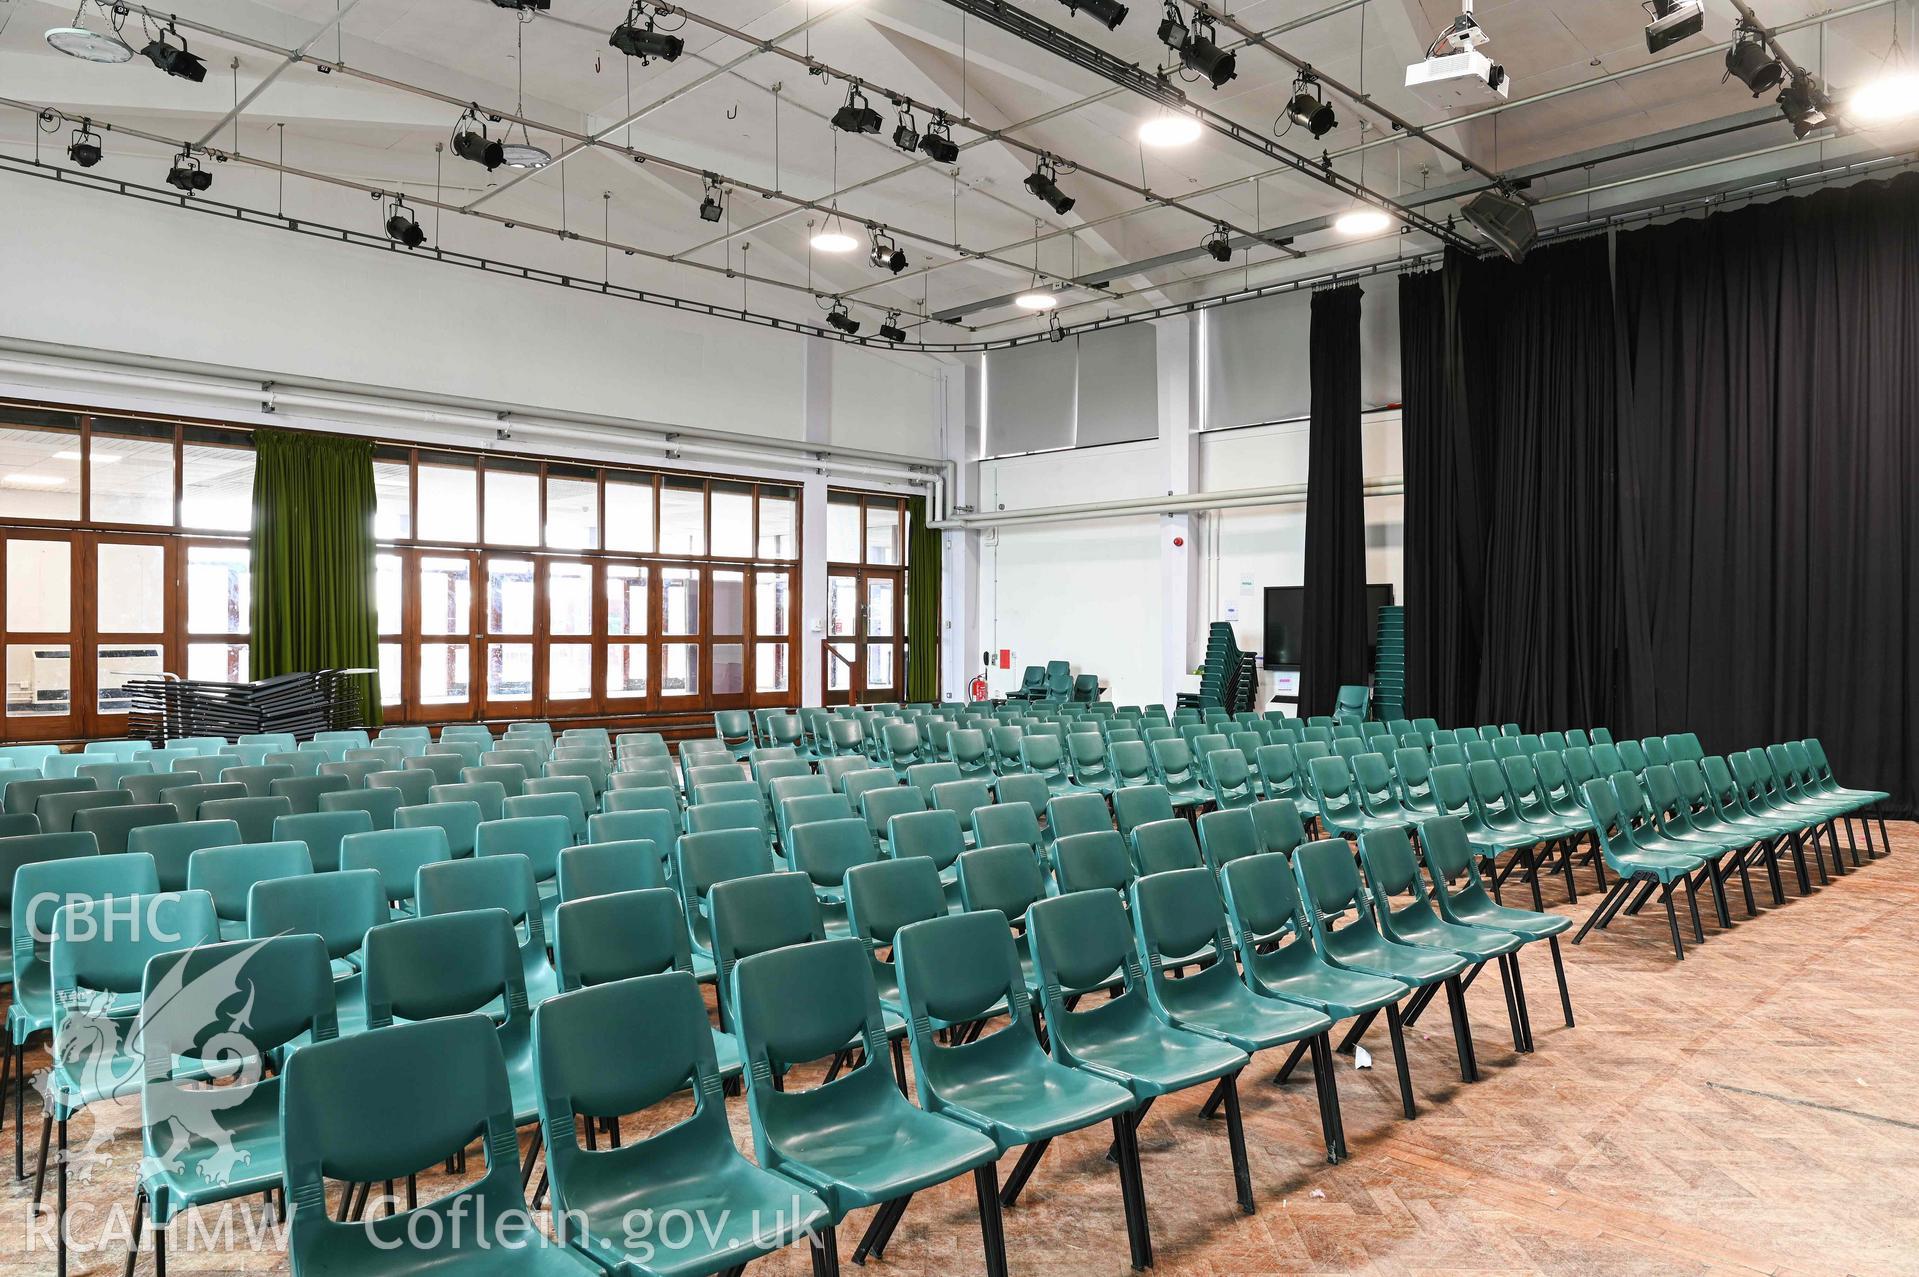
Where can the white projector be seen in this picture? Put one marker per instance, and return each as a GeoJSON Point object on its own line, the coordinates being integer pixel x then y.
{"type": "Point", "coordinates": [1465, 78]}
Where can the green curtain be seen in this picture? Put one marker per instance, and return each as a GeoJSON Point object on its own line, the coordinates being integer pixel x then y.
{"type": "Point", "coordinates": [313, 570]}
{"type": "Point", "coordinates": [923, 595]}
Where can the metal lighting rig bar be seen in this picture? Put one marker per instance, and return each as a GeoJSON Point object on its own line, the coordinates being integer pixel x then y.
{"type": "Point", "coordinates": [1154, 88]}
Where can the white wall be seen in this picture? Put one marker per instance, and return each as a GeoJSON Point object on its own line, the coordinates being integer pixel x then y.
{"type": "Point", "coordinates": [95, 270]}
{"type": "Point", "coordinates": [1081, 592]}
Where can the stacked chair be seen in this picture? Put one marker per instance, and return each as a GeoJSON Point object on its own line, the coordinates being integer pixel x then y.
{"type": "Point", "coordinates": [1061, 910]}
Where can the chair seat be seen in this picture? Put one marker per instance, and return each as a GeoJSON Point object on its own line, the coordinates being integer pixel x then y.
{"type": "Point", "coordinates": [1480, 944]}
{"type": "Point", "coordinates": [1035, 1102]}
{"type": "Point", "coordinates": [1522, 922]}
{"type": "Point", "coordinates": [1235, 1012]}
{"type": "Point", "coordinates": [110, 1066]}
{"type": "Point", "coordinates": [1340, 992]}
{"type": "Point", "coordinates": [383, 1248]}
{"type": "Point", "coordinates": [1664, 866]}
{"type": "Point", "coordinates": [184, 1168]}
{"type": "Point", "coordinates": [745, 1212]}
{"type": "Point", "coordinates": [1145, 1055]}
{"type": "Point", "coordinates": [892, 1150]}
{"type": "Point", "coordinates": [1409, 964]}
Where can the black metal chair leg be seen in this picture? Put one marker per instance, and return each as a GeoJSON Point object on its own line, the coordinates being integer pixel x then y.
{"type": "Point", "coordinates": [1358, 1031]}
{"type": "Point", "coordinates": [133, 1235]}
{"type": "Point", "coordinates": [1672, 920]}
{"type": "Point", "coordinates": [1325, 1074]}
{"type": "Point", "coordinates": [1606, 906]}
{"type": "Point", "coordinates": [991, 1227]}
{"type": "Point", "coordinates": [1519, 999]}
{"type": "Point", "coordinates": [1559, 973]}
{"type": "Point", "coordinates": [1462, 1031]}
{"type": "Point", "coordinates": [1512, 1006]}
{"type": "Point", "coordinates": [879, 1230]}
{"type": "Point", "coordinates": [824, 1246]}
{"type": "Point", "coordinates": [1236, 1138]}
{"type": "Point", "coordinates": [1399, 1061]}
{"type": "Point", "coordinates": [1022, 1171]}
{"type": "Point", "coordinates": [40, 1171]}
{"type": "Point", "coordinates": [1692, 903]}
{"type": "Point", "coordinates": [1285, 1070]}
{"type": "Point", "coordinates": [1132, 1192]}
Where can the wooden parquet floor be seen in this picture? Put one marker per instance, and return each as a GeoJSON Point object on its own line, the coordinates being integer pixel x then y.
{"type": "Point", "coordinates": [1745, 1111]}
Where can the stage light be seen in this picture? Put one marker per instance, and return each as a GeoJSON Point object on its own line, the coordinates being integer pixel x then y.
{"type": "Point", "coordinates": [642, 41]}
{"type": "Point", "coordinates": [856, 116]}
{"type": "Point", "coordinates": [1362, 221]}
{"type": "Point", "coordinates": [401, 226]}
{"type": "Point", "coordinates": [1108, 13]}
{"type": "Point", "coordinates": [187, 176]}
{"type": "Point", "coordinates": [937, 142]}
{"type": "Point", "coordinates": [1219, 246]}
{"type": "Point", "coordinates": [1893, 96]}
{"type": "Point", "coordinates": [1751, 61]}
{"type": "Point", "coordinates": [1803, 105]}
{"type": "Point", "coordinates": [886, 253]}
{"type": "Point", "coordinates": [175, 60]}
{"type": "Point", "coordinates": [470, 142]}
{"type": "Point", "coordinates": [712, 204]}
{"type": "Point", "coordinates": [84, 150]}
{"type": "Point", "coordinates": [1673, 21]}
{"type": "Point", "coordinates": [843, 321]}
{"type": "Point", "coordinates": [89, 46]}
{"type": "Point", "coordinates": [1506, 221]}
{"type": "Point", "coordinates": [1041, 183]}
{"type": "Point", "coordinates": [832, 238]}
{"type": "Point", "coordinates": [906, 134]}
{"type": "Point", "coordinates": [1309, 108]}
{"type": "Point", "coordinates": [1036, 300]}
{"type": "Point", "coordinates": [1202, 53]}
{"type": "Point", "coordinates": [1169, 130]}
{"type": "Point", "coordinates": [890, 327]}
{"type": "Point", "coordinates": [539, 5]}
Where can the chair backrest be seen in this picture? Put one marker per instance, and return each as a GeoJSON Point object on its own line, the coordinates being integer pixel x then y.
{"type": "Point", "coordinates": [1078, 942]}
{"type": "Point", "coordinates": [824, 850]}
{"type": "Point", "coordinates": [1003, 823]}
{"type": "Point", "coordinates": [381, 805]}
{"type": "Point", "coordinates": [1228, 834]}
{"type": "Point", "coordinates": [228, 874]}
{"type": "Point", "coordinates": [277, 990]}
{"type": "Point", "coordinates": [254, 816]}
{"type": "Point", "coordinates": [879, 806]}
{"type": "Point", "coordinates": [397, 854]}
{"type": "Point", "coordinates": [886, 895]}
{"type": "Point", "coordinates": [1004, 878]}
{"type": "Point", "coordinates": [618, 936]}
{"type": "Point", "coordinates": [92, 954]}
{"type": "Point", "coordinates": [1092, 861]}
{"type": "Point", "coordinates": [111, 826]}
{"type": "Point", "coordinates": [704, 859]}
{"type": "Point", "coordinates": [1070, 814]}
{"type": "Point", "coordinates": [489, 796]}
{"type": "Point", "coordinates": [304, 792]}
{"type": "Point", "coordinates": [540, 839]}
{"type": "Point", "coordinates": [450, 964]}
{"type": "Point", "coordinates": [339, 907]}
{"type": "Point", "coordinates": [1684, 745]}
{"type": "Point", "coordinates": [934, 834]}
{"type": "Point", "coordinates": [1160, 845]}
{"type": "Point", "coordinates": [173, 845]}
{"type": "Point", "coordinates": [1139, 806]}
{"type": "Point", "coordinates": [753, 915]}
{"type": "Point", "coordinates": [30, 849]}
{"type": "Point", "coordinates": [603, 868]}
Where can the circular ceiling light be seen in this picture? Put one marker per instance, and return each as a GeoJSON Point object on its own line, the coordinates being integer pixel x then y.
{"type": "Point", "coordinates": [1362, 221]}
{"type": "Point", "coordinates": [835, 242]}
{"type": "Point", "coordinates": [1888, 98]}
{"type": "Point", "coordinates": [1170, 130]}
{"type": "Point", "coordinates": [90, 46]}
{"type": "Point", "coordinates": [524, 155]}
{"type": "Point", "coordinates": [1036, 300]}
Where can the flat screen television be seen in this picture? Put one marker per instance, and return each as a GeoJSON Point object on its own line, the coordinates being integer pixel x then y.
{"type": "Point", "coordinates": [1285, 617]}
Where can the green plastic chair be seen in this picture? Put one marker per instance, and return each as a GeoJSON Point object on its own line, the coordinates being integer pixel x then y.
{"type": "Point", "coordinates": [617, 1048]}
{"type": "Point", "coordinates": [1329, 887]}
{"type": "Point", "coordinates": [16, 851]}
{"type": "Point", "coordinates": [700, 862]}
{"type": "Point", "coordinates": [1092, 861]}
{"type": "Point", "coordinates": [1228, 834]}
{"type": "Point", "coordinates": [398, 855]}
{"type": "Point", "coordinates": [305, 763]}
{"type": "Point", "coordinates": [172, 846]}
{"type": "Point", "coordinates": [1174, 769]}
{"type": "Point", "coordinates": [1071, 814]}
{"type": "Point", "coordinates": [1391, 873]}
{"type": "Point", "coordinates": [1135, 807]}
{"type": "Point", "coordinates": [1638, 872]}
{"type": "Point", "coordinates": [415, 786]}
{"type": "Point", "coordinates": [1229, 779]}
{"type": "Point", "coordinates": [1643, 828]}
{"type": "Point", "coordinates": [108, 775]}
{"type": "Point", "coordinates": [502, 881]}
{"type": "Point", "coordinates": [382, 805]}
{"type": "Point", "coordinates": [806, 809]}
{"type": "Point", "coordinates": [339, 908]}
{"type": "Point", "coordinates": [878, 807]}
{"type": "Point", "coordinates": [753, 914]}
{"type": "Point", "coordinates": [1339, 807]}
{"type": "Point", "coordinates": [283, 987]}
{"type": "Point", "coordinates": [1163, 845]}
{"type": "Point", "coordinates": [111, 826]}
{"type": "Point", "coordinates": [489, 796]}
{"type": "Point", "coordinates": [56, 811]}
{"type": "Point", "coordinates": [305, 792]}
{"type": "Point", "coordinates": [1077, 941]}
{"type": "Point", "coordinates": [445, 768]}
{"type": "Point", "coordinates": [824, 850]}
{"type": "Point", "coordinates": [934, 834]}
{"type": "Point", "coordinates": [853, 1140]}
{"type": "Point", "coordinates": [641, 797]}
{"type": "Point", "coordinates": [23, 796]}
{"type": "Point", "coordinates": [442, 1082]}
{"type": "Point", "coordinates": [257, 779]}
{"type": "Point", "coordinates": [1178, 921]}
{"type": "Point", "coordinates": [459, 822]}
{"type": "Point", "coordinates": [882, 897]}
{"type": "Point", "coordinates": [540, 839]}
{"type": "Point", "coordinates": [254, 816]}
{"type": "Point", "coordinates": [1132, 765]}
{"type": "Point", "coordinates": [749, 814]}
{"type": "Point", "coordinates": [99, 954]}
{"type": "Point", "coordinates": [963, 968]}
{"type": "Point", "coordinates": [322, 831]}
{"type": "Point", "coordinates": [1461, 896]}
{"type": "Point", "coordinates": [1277, 822]}
{"type": "Point", "coordinates": [228, 875]}
{"type": "Point", "coordinates": [999, 824]}
{"type": "Point", "coordinates": [603, 868]}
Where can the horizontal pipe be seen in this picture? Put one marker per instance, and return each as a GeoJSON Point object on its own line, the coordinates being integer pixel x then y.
{"type": "Point", "coordinates": [1173, 503]}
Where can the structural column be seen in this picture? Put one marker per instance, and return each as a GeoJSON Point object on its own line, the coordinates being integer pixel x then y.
{"type": "Point", "coordinates": [812, 613]}
{"type": "Point", "coordinates": [1180, 375]}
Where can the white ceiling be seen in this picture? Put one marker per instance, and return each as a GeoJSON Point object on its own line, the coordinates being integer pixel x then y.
{"type": "Point", "coordinates": [715, 110]}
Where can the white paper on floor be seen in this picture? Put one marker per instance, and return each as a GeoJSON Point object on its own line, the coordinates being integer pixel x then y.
{"type": "Point", "coordinates": [1362, 1058]}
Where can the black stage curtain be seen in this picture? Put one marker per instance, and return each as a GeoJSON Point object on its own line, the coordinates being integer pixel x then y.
{"type": "Point", "coordinates": [1512, 571]}
{"type": "Point", "coordinates": [1773, 432]}
{"type": "Point", "coordinates": [1333, 641]}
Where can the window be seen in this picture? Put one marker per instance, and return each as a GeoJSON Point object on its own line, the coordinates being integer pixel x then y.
{"type": "Point", "coordinates": [512, 502]}
{"type": "Point", "coordinates": [779, 523]}
{"type": "Point", "coordinates": [39, 617]}
{"type": "Point", "coordinates": [40, 468]}
{"type": "Point", "coordinates": [393, 497]}
{"type": "Point", "coordinates": [509, 615]}
{"type": "Point", "coordinates": [732, 512]}
{"type": "Point", "coordinates": [219, 611]}
{"type": "Point", "coordinates": [629, 514]}
{"type": "Point", "coordinates": [130, 476]}
{"type": "Point", "coordinates": [389, 592]}
{"type": "Point", "coordinates": [842, 528]}
{"type": "Point", "coordinates": [449, 500]}
{"type": "Point", "coordinates": [572, 509]}
{"type": "Point", "coordinates": [130, 618]}
{"type": "Point", "coordinates": [682, 516]}
{"type": "Point", "coordinates": [216, 481]}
